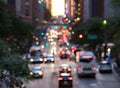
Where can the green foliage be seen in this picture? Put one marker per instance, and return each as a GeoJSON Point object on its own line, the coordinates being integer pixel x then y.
{"type": "Point", "coordinates": [5, 22]}
{"type": "Point", "coordinates": [92, 26]}
{"type": "Point", "coordinates": [4, 48]}
{"type": "Point", "coordinates": [15, 65]}
{"type": "Point", "coordinates": [21, 33]}
{"type": "Point", "coordinates": [115, 3]}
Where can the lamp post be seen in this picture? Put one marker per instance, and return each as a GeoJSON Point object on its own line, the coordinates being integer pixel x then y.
{"type": "Point", "coordinates": [105, 39]}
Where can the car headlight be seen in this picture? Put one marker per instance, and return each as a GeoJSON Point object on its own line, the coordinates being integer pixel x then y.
{"type": "Point", "coordinates": [41, 59]}
{"type": "Point", "coordinates": [52, 59]}
{"type": "Point", "coordinates": [31, 60]}
{"type": "Point", "coordinates": [45, 59]}
{"type": "Point", "coordinates": [31, 73]}
{"type": "Point", "coordinates": [40, 73]}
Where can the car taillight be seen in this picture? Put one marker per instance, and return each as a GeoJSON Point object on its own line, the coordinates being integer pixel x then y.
{"type": "Point", "coordinates": [79, 68]}
{"type": "Point", "coordinates": [70, 78]}
{"type": "Point", "coordinates": [69, 69]}
{"type": "Point", "coordinates": [94, 57]}
{"type": "Point", "coordinates": [60, 69]}
{"type": "Point", "coordinates": [60, 78]}
{"type": "Point", "coordinates": [94, 68]}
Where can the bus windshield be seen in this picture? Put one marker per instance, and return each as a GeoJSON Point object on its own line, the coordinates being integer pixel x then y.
{"type": "Point", "coordinates": [36, 53]}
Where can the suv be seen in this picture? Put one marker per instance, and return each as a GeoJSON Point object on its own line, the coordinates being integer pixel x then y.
{"type": "Point", "coordinates": [86, 65]}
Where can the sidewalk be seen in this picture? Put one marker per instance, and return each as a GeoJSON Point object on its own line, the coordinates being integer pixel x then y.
{"type": "Point", "coordinates": [117, 69]}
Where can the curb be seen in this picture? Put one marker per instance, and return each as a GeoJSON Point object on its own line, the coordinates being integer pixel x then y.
{"type": "Point", "coordinates": [117, 69]}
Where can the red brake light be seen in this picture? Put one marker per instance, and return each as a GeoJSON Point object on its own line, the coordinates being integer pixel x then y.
{"type": "Point", "coordinates": [79, 68]}
{"type": "Point", "coordinates": [94, 68]}
{"type": "Point", "coordinates": [60, 78]}
{"type": "Point", "coordinates": [70, 78]}
{"type": "Point", "coordinates": [60, 69]}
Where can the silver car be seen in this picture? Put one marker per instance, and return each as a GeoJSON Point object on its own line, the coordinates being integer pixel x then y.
{"type": "Point", "coordinates": [87, 66]}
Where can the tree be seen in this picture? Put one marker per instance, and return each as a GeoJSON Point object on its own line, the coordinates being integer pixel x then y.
{"type": "Point", "coordinates": [91, 27]}
{"type": "Point", "coordinates": [21, 33]}
{"type": "Point", "coordinates": [115, 3]}
{"type": "Point", "coordinates": [4, 48]}
{"type": "Point", "coordinates": [5, 22]}
{"type": "Point", "coordinates": [11, 65]}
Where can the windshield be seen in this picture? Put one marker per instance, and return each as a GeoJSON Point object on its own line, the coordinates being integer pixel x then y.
{"type": "Point", "coordinates": [36, 53]}
{"type": "Point", "coordinates": [36, 69]}
{"type": "Point", "coordinates": [49, 56]}
{"type": "Point", "coordinates": [85, 60]}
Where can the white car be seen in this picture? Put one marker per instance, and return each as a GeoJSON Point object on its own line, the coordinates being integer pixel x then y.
{"type": "Point", "coordinates": [86, 65]}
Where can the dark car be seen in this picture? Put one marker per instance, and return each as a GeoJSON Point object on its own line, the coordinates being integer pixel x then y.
{"type": "Point", "coordinates": [64, 56]}
{"type": "Point", "coordinates": [65, 68]}
{"type": "Point", "coordinates": [36, 72]}
{"type": "Point", "coordinates": [49, 58]}
{"type": "Point", "coordinates": [65, 80]}
{"type": "Point", "coordinates": [105, 66]}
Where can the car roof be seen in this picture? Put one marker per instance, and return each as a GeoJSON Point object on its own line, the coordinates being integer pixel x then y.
{"type": "Point", "coordinates": [87, 53]}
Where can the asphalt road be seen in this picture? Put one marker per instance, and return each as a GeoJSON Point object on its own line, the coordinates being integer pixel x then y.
{"type": "Point", "coordinates": [50, 76]}
{"type": "Point", "coordinates": [49, 80]}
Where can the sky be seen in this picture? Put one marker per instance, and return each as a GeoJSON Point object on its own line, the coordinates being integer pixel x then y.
{"type": "Point", "coordinates": [58, 7]}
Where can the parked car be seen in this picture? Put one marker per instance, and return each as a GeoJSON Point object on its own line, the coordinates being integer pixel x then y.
{"type": "Point", "coordinates": [105, 66]}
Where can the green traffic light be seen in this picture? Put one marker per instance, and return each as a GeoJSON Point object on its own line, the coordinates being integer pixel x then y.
{"type": "Point", "coordinates": [62, 23]}
{"type": "Point", "coordinates": [46, 44]}
{"type": "Point", "coordinates": [42, 33]}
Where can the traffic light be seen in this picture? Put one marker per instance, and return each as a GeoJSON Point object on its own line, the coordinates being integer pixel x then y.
{"type": "Point", "coordinates": [46, 44]}
{"type": "Point", "coordinates": [42, 33]}
{"type": "Point", "coordinates": [33, 36]}
{"type": "Point", "coordinates": [67, 43]}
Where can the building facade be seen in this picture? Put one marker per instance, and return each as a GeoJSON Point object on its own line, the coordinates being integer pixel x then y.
{"type": "Point", "coordinates": [98, 8]}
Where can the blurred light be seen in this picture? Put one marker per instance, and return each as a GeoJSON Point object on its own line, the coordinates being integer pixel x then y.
{"type": "Point", "coordinates": [37, 43]}
{"type": "Point", "coordinates": [34, 36]}
{"type": "Point", "coordinates": [58, 7]}
{"type": "Point", "coordinates": [7, 39]}
{"type": "Point", "coordinates": [80, 36]}
{"type": "Point", "coordinates": [68, 44]}
{"type": "Point", "coordinates": [104, 22]}
{"type": "Point", "coordinates": [42, 46]}
{"type": "Point", "coordinates": [46, 44]}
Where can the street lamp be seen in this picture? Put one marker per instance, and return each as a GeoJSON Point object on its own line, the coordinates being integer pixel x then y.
{"type": "Point", "coordinates": [105, 46]}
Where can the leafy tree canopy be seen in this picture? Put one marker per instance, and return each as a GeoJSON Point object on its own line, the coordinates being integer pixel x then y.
{"type": "Point", "coordinates": [115, 3]}
{"type": "Point", "coordinates": [5, 22]}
